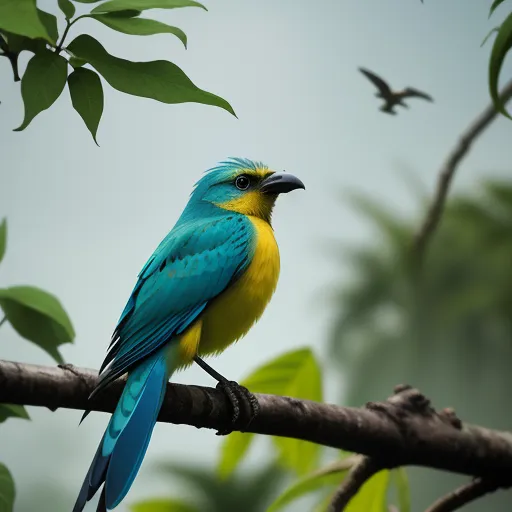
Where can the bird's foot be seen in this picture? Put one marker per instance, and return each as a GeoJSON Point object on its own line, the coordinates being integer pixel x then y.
{"type": "Point", "coordinates": [238, 396]}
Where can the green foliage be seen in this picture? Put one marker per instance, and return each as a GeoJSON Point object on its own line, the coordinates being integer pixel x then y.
{"type": "Point", "coordinates": [24, 27]}
{"type": "Point", "coordinates": [494, 5]}
{"type": "Point", "coordinates": [401, 484]}
{"type": "Point", "coordinates": [42, 84]}
{"type": "Point", "coordinates": [296, 374]}
{"type": "Point", "coordinates": [37, 316]}
{"type": "Point", "coordinates": [139, 26]}
{"type": "Point", "coordinates": [328, 477]}
{"type": "Point", "coordinates": [7, 490]}
{"type": "Point", "coordinates": [3, 238]}
{"type": "Point", "coordinates": [372, 495]}
{"type": "Point", "coordinates": [87, 97]}
{"type": "Point", "coordinates": [22, 17]}
{"type": "Point", "coordinates": [13, 411]}
{"type": "Point", "coordinates": [163, 505]}
{"type": "Point", "coordinates": [491, 32]}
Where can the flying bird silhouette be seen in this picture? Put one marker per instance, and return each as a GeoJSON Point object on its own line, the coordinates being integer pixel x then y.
{"type": "Point", "coordinates": [390, 97]}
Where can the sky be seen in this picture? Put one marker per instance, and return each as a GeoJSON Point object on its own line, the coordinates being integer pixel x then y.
{"type": "Point", "coordinates": [83, 219]}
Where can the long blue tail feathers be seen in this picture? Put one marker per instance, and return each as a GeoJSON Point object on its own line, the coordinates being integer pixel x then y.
{"type": "Point", "coordinates": [125, 441]}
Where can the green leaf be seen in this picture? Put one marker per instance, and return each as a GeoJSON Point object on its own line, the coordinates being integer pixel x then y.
{"type": "Point", "coordinates": [7, 490]}
{"type": "Point", "coordinates": [491, 32]}
{"type": "Point", "coordinates": [160, 80]}
{"type": "Point", "coordinates": [401, 482]}
{"type": "Point", "coordinates": [500, 48]}
{"type": "Point", "coordinates": [37, 316]}
{"type": "Point", "coordinates": [87, 97]}
{"type": "Point", "coordinates": [329, 476]}
{"type": "Point", "coordinates": [86, 1]}
{"type": "Point", "coordinates": [372, 495]}
{"type": "Point", "coordinates": [19, 43]}
{"type": "Point", "coordinates": [129, 13]}
{"type": "Point", "coordinates": [294, 374]}
{"type": "Point", "coordinates": [13, 411]}
{"type": "Point", "coordinates": [67, 8]}
{"type": "Point", "coordinates": [3, 238]}
{"type": "Point", "coordinates": [21, 17]}
{"type": "Point", "coordinates": [163, 505]}
{"type": "Point", "coordinates": [139, 26]}
{"type": "Point", "coordinates": [142, 5]}
{"type": "Point", "coordinates": [42, 84]}
{"type": "Point", "coordinates": [233, 450]}
{"type": "Point", "coordinates": [76, 63]}
{"type": "Point", "coordinates": [494, 5]}
{"type": "Point", "coordinates": [50, 23]}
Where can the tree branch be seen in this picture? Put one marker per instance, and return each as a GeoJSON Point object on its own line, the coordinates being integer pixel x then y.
{"type": "Point", "coordinates": [405, 430]}
{"type": "Point", "coordinates": [357, 476]}
{"type": "Point", "coordinates": [464, 495]}
{"type": "Point", "coordinates": [447, 172]}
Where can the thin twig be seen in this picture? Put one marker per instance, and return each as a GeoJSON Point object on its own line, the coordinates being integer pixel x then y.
{"type": "Point", "coordinates": [409, 433]}
{"type": "Point", "coordinates": [357, 476]}
{"type": "Point", "coordinates": [464, 495]}
{"type": "Point", "coordinates": [447, 172]}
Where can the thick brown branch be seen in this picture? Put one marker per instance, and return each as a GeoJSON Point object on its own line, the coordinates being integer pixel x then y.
{"type": "Point", "coordinates": [357, 476]}
{"type": "Point", "coordinates": [435, 211]}
{"type": "Point", "coordinates": [400, 434]}
{"type": "Point", "coordinates": [464, 495]}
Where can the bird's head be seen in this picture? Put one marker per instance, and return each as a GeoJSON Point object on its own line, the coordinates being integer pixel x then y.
{"type": "Point", "coordinates": [244, 186]}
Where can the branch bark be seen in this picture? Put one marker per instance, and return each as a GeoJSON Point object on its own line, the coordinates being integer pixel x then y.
{"type": "Point", "coordinates": [405, 430]}
{"type": "Point", "coordinates": [447, 172]}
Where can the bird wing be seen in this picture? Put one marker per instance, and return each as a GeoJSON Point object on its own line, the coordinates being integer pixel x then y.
{"type": "Point", "coordinates": [415, 93]}
{"type": "Point", "coordinates": [377, 81]}
{"type": "Point", "coordinates": [191, 266]}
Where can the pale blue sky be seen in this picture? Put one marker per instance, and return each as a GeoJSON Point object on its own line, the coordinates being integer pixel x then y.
{"type": "Point", "coordinates": [83, 219]}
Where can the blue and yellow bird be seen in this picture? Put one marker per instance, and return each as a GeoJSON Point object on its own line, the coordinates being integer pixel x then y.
{"type": "Point", "coordinates": [203, 288]}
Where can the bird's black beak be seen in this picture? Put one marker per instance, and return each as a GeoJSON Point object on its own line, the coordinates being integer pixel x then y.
{"type": "Point", "coordinates": [280, 183]}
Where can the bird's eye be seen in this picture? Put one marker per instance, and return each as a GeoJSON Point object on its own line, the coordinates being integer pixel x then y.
{"type": "Point", "coordinates": [242, 182]}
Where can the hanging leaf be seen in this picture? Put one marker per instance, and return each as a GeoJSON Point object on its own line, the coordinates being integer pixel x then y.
{"type": "Point", "coordinates": [7, 490]}
{"type": "Point", "coordinates": [372, 495]}
{"type": "Point", "coordinates": [50, 23]}
{"type": "Point", "coordinates": [13, 411]}
{"type": "Point", "coordinates": [3, 238]}
{"type": "Point", "coordinates": [163, 505]}
{"type": "Point", "coordinates": [67, 8]}
{"type": "Point", "coordinates": [37, 316]}
{"type": "Point", "coordinates": [42, 84]}
{"type": "Point", "coordinates": [491, 32]}
{"type": "Point", "coordinates": [142, 5]}
{"type": "Point", "coordinates": [160, 80]}
{"type": "Point", "coordinates": [401, 483]}
{"type": "Point", "coordinates": [87, 97]}
{"type": "Point", "coordinates": [21, 17]}
{"type": "Point", "coordinates": [500, 48]}
{"type": "Point", "coordinates": [494, 6]}
{"type": "Point", "coordinates": [139, 26]}
{"type": "Point", "coordinates": [329, 476]}
{"type": "Point", "coordinates": [294, 374]}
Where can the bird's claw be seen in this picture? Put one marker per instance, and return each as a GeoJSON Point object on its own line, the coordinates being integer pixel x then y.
{"type": "Point", "coordinates": [238, 395]}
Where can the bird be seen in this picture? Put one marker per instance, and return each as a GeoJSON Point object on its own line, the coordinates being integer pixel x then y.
{"type": "Point", "coordinates": [202, 289]}
{"type": "Point", "coordinates": [393, 98]}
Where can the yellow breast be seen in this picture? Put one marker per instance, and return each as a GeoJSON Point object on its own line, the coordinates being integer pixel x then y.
{"type": "Point", "coordinates": [233, 313]}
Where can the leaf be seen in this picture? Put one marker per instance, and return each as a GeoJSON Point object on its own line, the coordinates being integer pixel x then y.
{"type": "Point", "coordinates": [87, 1]}
{"type": "Point", "coordinates": [294, 374]}
{"type": "Point", "coordinates": [42, 84]}
{"type": "Point", "coordinates": [50, 23]}
{"type": "Point", "coordinates": [372, 495]}
{"type": "Point", "coordinates": [401, 482]}
{"type": "Point", "coordinates": [491, 32]}
{"type": "Point", "coordinates": [67, 8]}
{"type": "Point", "coordinates": [142, 5]}
{"type": "Point", "coordinates": [87, 97]}
{"type": "Point", "coordinates": [37, 316]}
{"type": "Point", "coordinates": [160, 80]}
{"type": "Point", "coordinates": [233, 450]}
{"type": "Point", "coordinates": [494, 6]}
{"type": "Point", "coordinates": [329, 476]}
{"type": "Point", "coordinates": [139, 26]}
{"type": "Point", "coordinates": [21, 17]}
{"type": "Point", "coordinates": [163, 505]}
{"type": "Point", "coordinates": [7, 490]}
{"type": "Point", "coordinates": [3, 238]}
{"type": "Point", "coordinates": [500, 48]}
{"type": "Point", "coordinates": [19, 43]}
{"type": "Point", "coordinates": [13, 411]}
